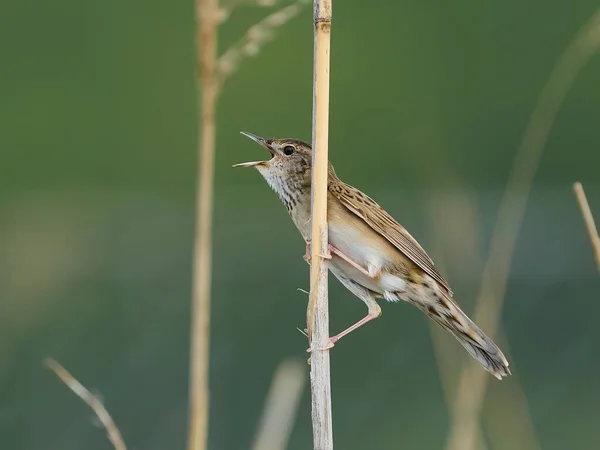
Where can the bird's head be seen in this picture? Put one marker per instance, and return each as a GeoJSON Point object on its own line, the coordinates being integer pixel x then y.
{"type": "Point", "coordinates": [289, 167]}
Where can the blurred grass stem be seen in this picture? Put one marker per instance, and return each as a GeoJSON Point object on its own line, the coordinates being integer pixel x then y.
{"type": "Point", "coordinates": [281, 406]}
{"type": "Point", "coordinates": [113, 433]}
{"type": "Point", "coordinates": [318, 310]}
{"type": "Point", "coordinates": [472, 382]}
{"type": "Point", "coordinates": [213, 72]}
{"type": "Point", "coordinates": [588, 218]}
{"type": "Point", "coordinates": [207, 11]}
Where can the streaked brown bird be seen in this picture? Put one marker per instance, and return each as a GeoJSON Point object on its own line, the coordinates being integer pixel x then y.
{"type": "Point", "coordinates": [372, 255]}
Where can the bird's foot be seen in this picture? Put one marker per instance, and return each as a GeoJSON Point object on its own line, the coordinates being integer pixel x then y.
{"type": "Point", "coordinates": [307, 253]}
{"type": "Point", "coordinates": [306, 256]}
{"type": "Point", "coordinates": [330, 343]}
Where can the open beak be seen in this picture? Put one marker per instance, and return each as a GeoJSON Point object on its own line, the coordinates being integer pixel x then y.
{"type": "Point", "coordinates": [260, 141]}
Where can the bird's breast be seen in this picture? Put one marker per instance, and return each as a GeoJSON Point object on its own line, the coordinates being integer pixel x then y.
{"type": "Point", "coordinates": [300, 214]}
{"type": "Point", "coordinates": [357, 240]}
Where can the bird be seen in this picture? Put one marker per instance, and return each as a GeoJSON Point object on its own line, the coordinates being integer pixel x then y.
{"type": "Point", "coordinates": [369, 252]}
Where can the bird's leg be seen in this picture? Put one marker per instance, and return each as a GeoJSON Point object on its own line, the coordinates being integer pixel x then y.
{"type": "Point", "coordinates": [374, 313]}
{"type": "Point", "coordinates": [336, 251]}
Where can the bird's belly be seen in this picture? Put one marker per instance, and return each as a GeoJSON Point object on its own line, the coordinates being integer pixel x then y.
{"type": "Point", "coordinates": [370, 251]}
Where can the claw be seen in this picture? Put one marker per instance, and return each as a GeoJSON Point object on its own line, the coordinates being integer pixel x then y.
{"type": "Point", "coordinates": [306, 256]}
{"type": "Point", "coordinates": [330, 344]}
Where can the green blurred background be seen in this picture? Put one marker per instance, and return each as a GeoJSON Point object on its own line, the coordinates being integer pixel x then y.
{"type": "Point", "coordinates": [429, 101]}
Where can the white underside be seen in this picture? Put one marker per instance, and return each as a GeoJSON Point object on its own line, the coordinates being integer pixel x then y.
{"type": "Point", "coordinates": [350, 241]}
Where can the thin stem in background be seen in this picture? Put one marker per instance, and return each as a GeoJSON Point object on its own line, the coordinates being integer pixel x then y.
{"type": "Point", "coordinates": [318, 310]}
{"type": "Point", "coordinates": [509, 402]}
{"type": "Point", "coordinates": [588, 218]}
{"type": "Point", "coordinates": [200, 333]}
{"type": "Point", "coordinates": [507, 419]}
{"type": "Point", "coordinates": [464, 213]}
{"type": "Point", "coordinates": [281, 406]}
{"type": "Point", "coordinates": [113, 433]}
{"type": "Point", "coordinates": [213, 72]}
{"type": "Point", "coordinates": [472, 383]}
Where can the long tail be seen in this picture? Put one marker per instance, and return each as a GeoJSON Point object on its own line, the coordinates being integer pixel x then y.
{"type": "Point", "coordinates": [445, 312]}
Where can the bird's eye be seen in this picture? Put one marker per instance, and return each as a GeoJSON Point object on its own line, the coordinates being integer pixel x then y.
{"type": "Point", "coordinates": [288, 150]}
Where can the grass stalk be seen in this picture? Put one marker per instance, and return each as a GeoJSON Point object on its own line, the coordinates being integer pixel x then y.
{"type": "Point", "coordinates": [281, 406]}
{"type": "Point", "coordinates": [112, 432]}
{"type": "Point", "coordinates": [207, 11]}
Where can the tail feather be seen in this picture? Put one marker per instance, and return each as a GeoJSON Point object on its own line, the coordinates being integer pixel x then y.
{"type": "Point", "coordinates": [446, 313]}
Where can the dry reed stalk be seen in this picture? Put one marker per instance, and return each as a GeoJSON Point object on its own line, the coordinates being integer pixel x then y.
{"type": "Point", "coordinates": [318, 311]}
{"type": "Point", "coordinates": [200, 333]}
{"type": "Point", "coordinates": [112, 432]}
{"type": "Point", "coordinates": [281, 406]}
{"type": "Point", "coordinates": [472, 383]}
{"type": "Point", "coordinates": [588, 218]}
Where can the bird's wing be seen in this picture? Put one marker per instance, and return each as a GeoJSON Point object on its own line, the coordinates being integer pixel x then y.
{"type": "Point", "coordinates": [384, 224]}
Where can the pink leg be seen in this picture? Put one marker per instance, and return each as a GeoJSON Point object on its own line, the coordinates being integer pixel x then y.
{"type": "Point", "coordinates": [338, 252]}
{"type": "Point", "coordinates": [346, 258]}
{"type": "Point", "coordinates": [358, 324]}
{"type": "Point", "coordinates": [374, 313]}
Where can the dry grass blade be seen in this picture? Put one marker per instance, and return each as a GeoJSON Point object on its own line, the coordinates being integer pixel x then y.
{"type": "Point", "coordinates": [256, 36]}
{"type": "Point", "coordinates": [281, 406]}
{"type": "Point", "coordinates": [588, 218]}
{"type": "Point", "coordinates": [473, 381]}
{"type": "Point", "coordinates": [113, 433]}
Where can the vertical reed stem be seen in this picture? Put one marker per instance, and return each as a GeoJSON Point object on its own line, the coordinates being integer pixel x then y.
{"type": "Point", "coordinates": [318, 311]}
